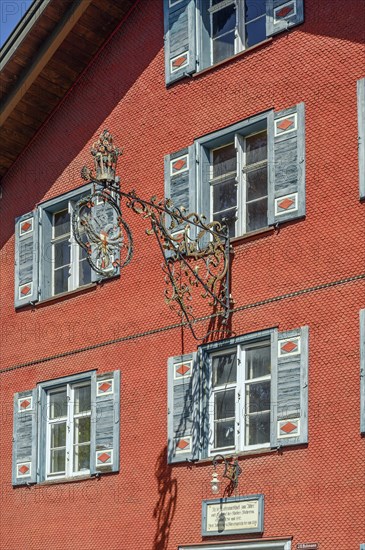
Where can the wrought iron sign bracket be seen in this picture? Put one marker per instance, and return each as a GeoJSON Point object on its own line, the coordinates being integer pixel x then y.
{"type": "Point", "coordinates": [196, 253]}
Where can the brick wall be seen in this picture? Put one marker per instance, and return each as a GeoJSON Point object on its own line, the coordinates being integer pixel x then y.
{"type": "Point", "coordinates": [314, 493]}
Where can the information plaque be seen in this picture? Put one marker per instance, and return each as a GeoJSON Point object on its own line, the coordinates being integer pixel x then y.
{"type": "Point", "coordinates": [234, 515]}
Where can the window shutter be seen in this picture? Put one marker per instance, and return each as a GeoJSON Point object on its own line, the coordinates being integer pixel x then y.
{"type": "Point", "coordinates": [282, 15]}
{"type": "Point", "coordinates": [179, 28]}
{"type": "Point", "coordinates": [106, 426]}
{"type": "Point", "coordinates": [180, 184]}
{"type": "Point", "coordinates": [362, 371]}
{"type": "Point", "coordinates": [183, 408]}
{"type": "Point", "coordinates": [26, 259]}
{"type": "Point", "coordinates": [289, 388]}
{"type": "Point", "coordinates": [25, 438]}
{"type": "Point", "coordinates": [206, 430]}
{"type": "Point", "coordinates": [286, 138]}
{"type": "Point", "coordinates": [361, 124]}
{"type": "Point", "coordinates": [108, 218]}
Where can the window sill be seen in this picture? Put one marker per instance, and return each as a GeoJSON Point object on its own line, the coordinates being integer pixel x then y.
{"type": "Point", "coordinates": [239, 454]}
{"type": "Point", "coordinates": [232, 58]}
{"type": "Point", "coordinates": [63, 295]}
{"type": "Point", "coordinates": [252, 234]}
{"type": "Point", "coordinates": [67, 480]}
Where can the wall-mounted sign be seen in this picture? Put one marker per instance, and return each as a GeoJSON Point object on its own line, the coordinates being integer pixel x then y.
{"type": "Point", "coordinates": [229, 516]}
{"type": "Point", "coordinates": [308, 546]}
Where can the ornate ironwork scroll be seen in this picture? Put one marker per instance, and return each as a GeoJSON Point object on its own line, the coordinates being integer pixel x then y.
{"type": "Point", "coordinates": [196, 253]}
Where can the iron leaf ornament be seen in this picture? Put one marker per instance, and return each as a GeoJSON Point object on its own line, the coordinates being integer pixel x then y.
{"type": "Point", "coordinates": [196, 253]}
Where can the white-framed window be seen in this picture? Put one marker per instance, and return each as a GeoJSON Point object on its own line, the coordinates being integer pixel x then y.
{"type": "Point", "coordinates": [202, 33]}
{"type": "Point", "coordinates": [63, 264]}
{"type": "Point", "coordinates": [69, 266]}
{"type": "Point", "coordinates": [60, 421]}
{"type": "Point", "coordinates": [235, 25]}
{"type": "Point", "coordinates": [239, 183]}
{"type": "Point", "coordinates": [68, 433]}
{"type": "Point", "coordinates": [240, 398]}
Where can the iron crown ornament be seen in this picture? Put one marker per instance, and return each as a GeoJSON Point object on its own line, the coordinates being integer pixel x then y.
{"type": "Point", "coordinates": [195, 253]}
{"type": "Point", "coordinates": [105, 159]}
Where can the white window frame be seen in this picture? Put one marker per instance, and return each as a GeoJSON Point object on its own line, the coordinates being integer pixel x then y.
{"type": "Point", "coordinates": [241, 181]}
{"type": "Point", "coordinates": [215, 181]}
{"type": "Point", "coordinates": [238, 43]}
{"type": "Point", "coordinates": [240, 398]}
{"type": "Point", "coordinates": [75, 255]}
{"type": "Point", "coordinates": [234, 385]}
{"type": "Point", "coordinates": [69, 418]}
{"type": "Point", "coordinates": [54, 241]}
{"type": "Point", "coordinates": [47, 211]}
{"type": "Point", "coordinates": [240, 27]}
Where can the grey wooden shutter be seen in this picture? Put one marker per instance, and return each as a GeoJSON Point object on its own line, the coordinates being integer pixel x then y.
{"type": "Point", "coordinates": [362, 371]}
{"type": "Point", "coordinates": [361, 124]}
{"type": "Point", "coordinates": [183, 408]}
{"type": "Point", "coordinates": [106, 396]}
{"type": "Point", "coordinates": [289, 388]}
{"type": "Point", "coordinates": [26, 259]}
{"type": "Point", "coordinates": [106, 217]}
{"type": "Point", "coordinates": [180, 184]}
{"type": "Point", "coordinates": [180, 39]}
{"type": "Point", "coordinates": [286, 158]}
{"type": "Point", "coordinates": [282, 15]}
{"type": "Point", "coordinates": [24, 469]}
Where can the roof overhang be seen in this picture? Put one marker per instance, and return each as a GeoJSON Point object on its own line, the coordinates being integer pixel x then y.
{"type": "Point", "coordinates": [42, 60]}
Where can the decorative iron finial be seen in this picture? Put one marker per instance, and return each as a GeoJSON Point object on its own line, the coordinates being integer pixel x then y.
{"type": "Point", "coordinates": [105, 160]}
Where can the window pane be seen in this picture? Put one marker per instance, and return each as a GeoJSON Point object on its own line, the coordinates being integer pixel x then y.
{"type": "Point", "coordinates": [254, 8]}
{"type": "Point", "coordinates": [224, 160]}
{"type": "Point", "coordinates": [256, 148]}
{"type": "Point", "coordinates": [258, 397]}
{"type": "Point", "coordinates": [229, 219]}
{"type": "Point", "coordinates": [58, 461]}
{"type": "Point", "coordinates": [224, 404]}
{"type": "Point", "coordinates": [81, 458]}
{"type": "Point", "coordinates": [84, 273]}
{"type": "Point", "coordinates": [61, 223]}
{"type": "Point", "coordinates": [223, 47]}
{"type": "Point", "coordinates": [58, 404]}
{"type": "Point", "coordinates": [224, 20]}
{"type": "Point", "coordinates": [61, 252]}
{"type": "Point", "coordinates": [224, 434]}
{"type": "Point", "coordinates": [256, 32]}
{"type": "Point", "coordinates": [224, 369]}
{"type": "Point", "coordinates": [82, 251]}
{"type": "Point", "coordinates": [258, 362]}
{"type": "Point", "coordinates": [58, 435]}
{"type": "Point", "coordinates": [224, 195]}
{"type": "Point", "coordinates": [61, 280]}
{"type": "Point", "coordinates": [82, 399]}
{"type": "Point", "coordinates": [82, 430]}
{"type": "Point", "coordinates": [256, 183]}
{"type": "Point", "coordinates": [256, 215]}
{"type": "Point", "coordinates": [258, 428]}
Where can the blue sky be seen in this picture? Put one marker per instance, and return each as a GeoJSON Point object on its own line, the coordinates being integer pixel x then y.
{"type": "Point", "coordinates": [11, 12]}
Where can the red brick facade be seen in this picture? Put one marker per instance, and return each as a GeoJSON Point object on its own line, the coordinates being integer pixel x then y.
{"type": "Point", "coordinates": [314, 493]}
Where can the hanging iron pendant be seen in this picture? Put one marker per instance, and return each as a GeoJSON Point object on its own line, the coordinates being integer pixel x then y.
{"type": "Point", "coordinates": [101, 231]}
